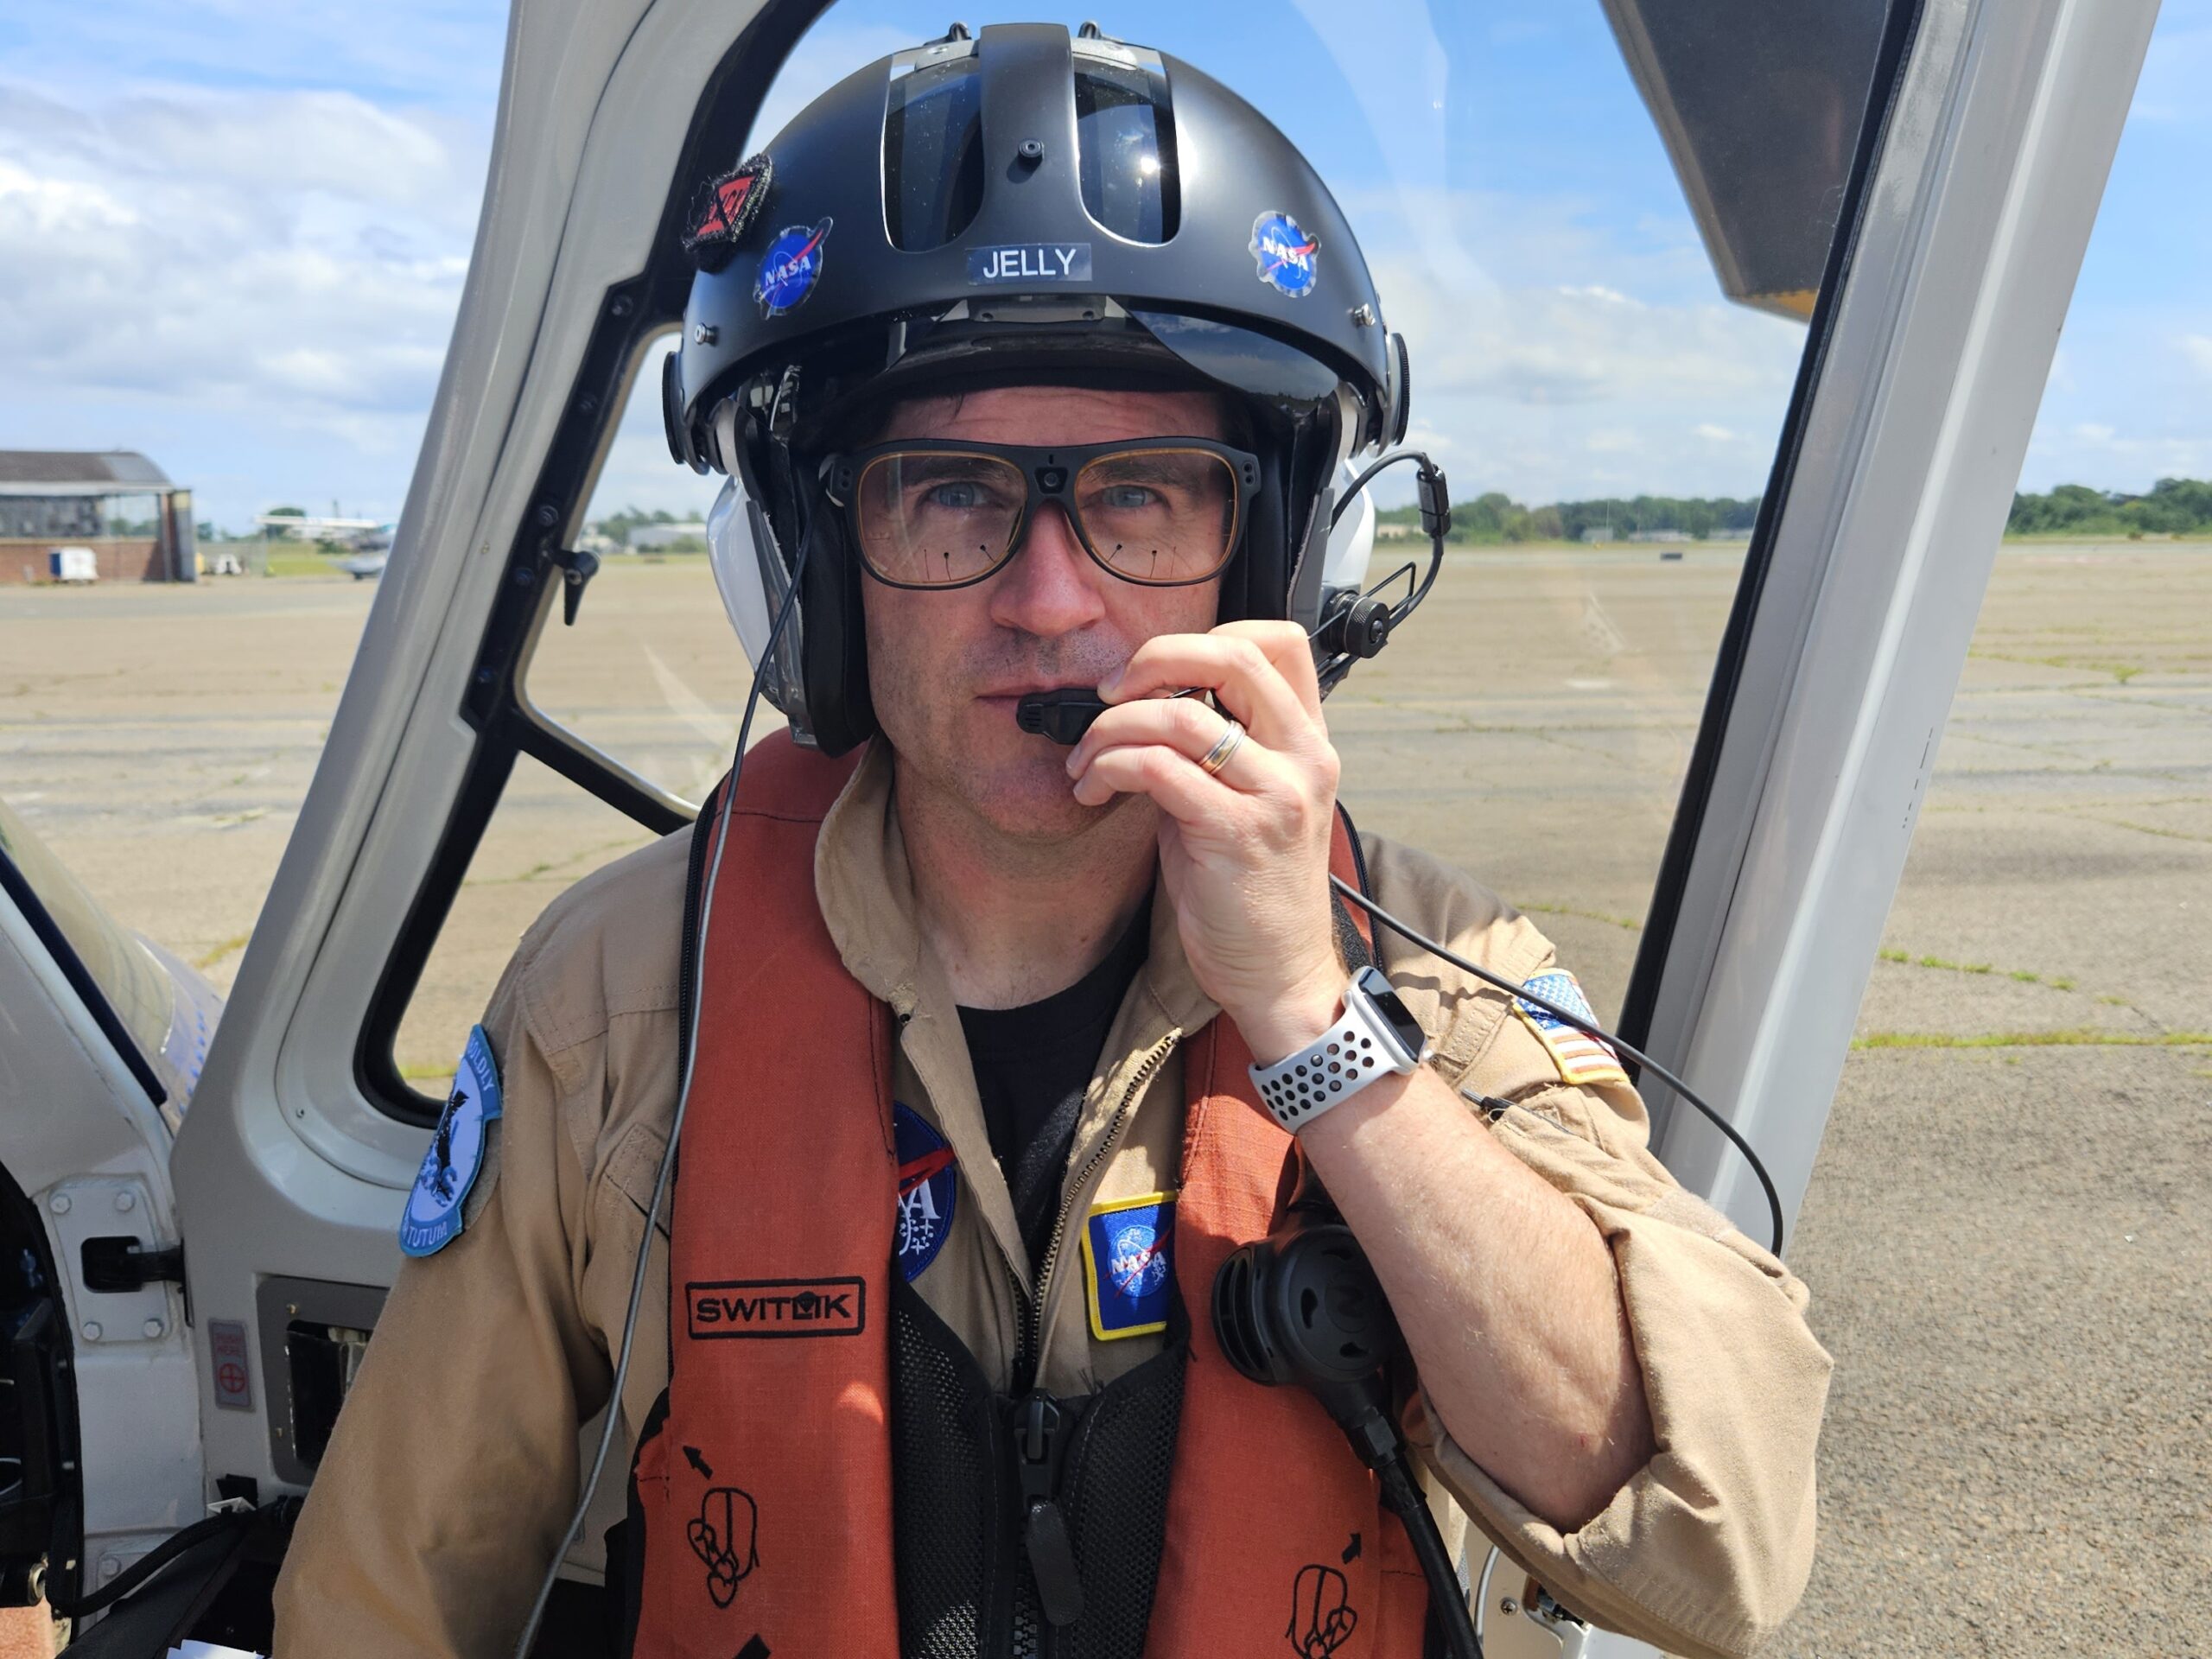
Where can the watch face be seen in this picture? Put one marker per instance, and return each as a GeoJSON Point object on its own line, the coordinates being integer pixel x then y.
{"type": "Point", "coordinates": [1377, 991]}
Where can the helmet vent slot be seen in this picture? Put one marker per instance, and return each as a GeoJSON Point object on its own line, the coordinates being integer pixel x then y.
{"type": "Point", "coordinates": [933, 153]}
{"type": "Point", "coordinates": [1125, 142]}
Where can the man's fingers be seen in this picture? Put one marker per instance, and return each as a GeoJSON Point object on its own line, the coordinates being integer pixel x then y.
{"type": "Point", "coordinates": [1180, 723]}
{"type": "Point", "coordinates": [1236, 668]}
{"type": "Point", "coordinates": [1171, 777]}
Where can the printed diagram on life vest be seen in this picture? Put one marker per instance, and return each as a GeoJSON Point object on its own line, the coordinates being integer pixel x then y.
{"type": "Point", "coordinates": [726, 1536]}
{"type": "Point", "coordinates": [1322, 1618]}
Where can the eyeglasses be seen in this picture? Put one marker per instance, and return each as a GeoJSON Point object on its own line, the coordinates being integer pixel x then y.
{"type": "Point", "coordinates": [1162, 513]}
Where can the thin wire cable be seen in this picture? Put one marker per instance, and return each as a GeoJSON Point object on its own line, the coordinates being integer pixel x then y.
{"type": "Point", "coordinates": [675, 1131]}
{"type": "Point", "coordinates": [1352, 490]}
{"type": "Point", "coordinates": [1345, 890]}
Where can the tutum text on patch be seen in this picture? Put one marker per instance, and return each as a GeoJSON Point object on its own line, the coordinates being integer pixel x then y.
{"type": "Point", "coordinates": [775, 1308]}
{"type": "Point", "coordinates": [1031, 261]}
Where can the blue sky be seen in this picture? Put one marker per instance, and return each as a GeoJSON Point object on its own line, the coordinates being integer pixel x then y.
{"type": "Point", "coordinates": [233, 236]}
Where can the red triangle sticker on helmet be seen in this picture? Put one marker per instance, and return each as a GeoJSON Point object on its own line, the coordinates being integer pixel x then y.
{"type": "Point", "coordinates": [724, 210]}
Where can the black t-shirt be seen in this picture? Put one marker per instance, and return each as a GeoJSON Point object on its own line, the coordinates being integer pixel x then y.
{"type": "Point", "coordinates": [1032, 1066]}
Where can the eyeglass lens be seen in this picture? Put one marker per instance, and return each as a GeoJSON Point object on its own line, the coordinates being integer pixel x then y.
{"type": "Point", "coordinates": [934, 519]}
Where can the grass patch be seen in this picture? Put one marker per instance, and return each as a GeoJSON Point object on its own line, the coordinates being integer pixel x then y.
{"type": "Point", "coordinates": [217, 953]}
{"type": "Point", "coordinates": [303, 562]}
{"type": "Point", "coordinates": [424, 1073]}
{"type": "Point", "coordinates": [2151, 829]}
{"type": "Point", "coordinates": [1946, 965]}
{"type": "Point", "coordinates": [2120, 672]}
{"type": "Point", "coordinates": [1628, 922]}
{"type": "Point", "coordinates": [2076, 1039]}
{"type": "Point", "coordinates": [546, 867]}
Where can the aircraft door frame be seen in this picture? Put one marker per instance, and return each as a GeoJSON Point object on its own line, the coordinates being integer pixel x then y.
{"type": "Point", "coordinates": [85, 1146]}
{"type": "Point", "coordinates": [299, 1122]}
{"type": "Point", "coordinates": [1933, 339]}
{"type": "Point", "coordinates": [1973, 203]}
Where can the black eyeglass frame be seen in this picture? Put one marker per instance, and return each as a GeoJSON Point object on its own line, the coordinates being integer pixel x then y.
{"type": "Point", "coordinates": [1050, 471]}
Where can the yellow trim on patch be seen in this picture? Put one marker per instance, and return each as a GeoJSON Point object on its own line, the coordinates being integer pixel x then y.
{"type": "Point", "coordinates": [1584, 1070]}
{"type": "Point", "coordinates": [1090, 1268]}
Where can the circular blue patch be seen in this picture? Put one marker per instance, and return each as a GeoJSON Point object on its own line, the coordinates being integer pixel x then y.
{"type": "Point", "coordinates": [437, 1209]}
{"type": "Point", "coordinates": [928, 1187]}
{"type": "Point", "coordinates": [1290, 258]}
{"type": "Point", "coordinates": [791, 267]}
{"type": "Point", "coordinates": [1136, 1262]}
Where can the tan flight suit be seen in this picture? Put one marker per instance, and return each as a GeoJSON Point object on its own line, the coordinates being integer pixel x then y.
{"type": "Point", "coordinates": [453, 1466]}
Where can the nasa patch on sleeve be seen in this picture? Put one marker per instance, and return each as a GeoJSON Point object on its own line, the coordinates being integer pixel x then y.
{"type": "Point", "coordinates": [928, 1187]}
{"type": "Point", "coordinates": [1126, 1270]}
{"type": "Point", "coordinates": [435, 1209]}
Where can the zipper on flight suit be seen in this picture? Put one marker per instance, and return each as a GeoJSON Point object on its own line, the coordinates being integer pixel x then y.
{"type": "Point", "coordinates": [1029, 1350]}
{"type": "Point", "coordinates": [1042, 1427]}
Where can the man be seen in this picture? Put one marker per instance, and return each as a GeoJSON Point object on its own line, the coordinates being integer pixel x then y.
{"type": "Point", "coordinates": [973, 1050]}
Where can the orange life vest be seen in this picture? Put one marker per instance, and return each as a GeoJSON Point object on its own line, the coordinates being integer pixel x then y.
{"type": "Point", "coordinates": [762, 1488]}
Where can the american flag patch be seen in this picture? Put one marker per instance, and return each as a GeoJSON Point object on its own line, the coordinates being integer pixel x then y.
{"type": "Point", "coordinates": [1580, 1058]}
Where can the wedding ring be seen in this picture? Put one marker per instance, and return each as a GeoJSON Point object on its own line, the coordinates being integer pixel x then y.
{"type": "Point", "coordinates": [1224, 752]}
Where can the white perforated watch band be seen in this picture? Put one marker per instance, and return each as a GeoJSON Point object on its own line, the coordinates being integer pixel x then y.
{"type": "Point", "coordinates": [1359, 1047]}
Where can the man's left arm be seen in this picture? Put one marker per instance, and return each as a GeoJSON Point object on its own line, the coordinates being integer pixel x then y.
{"type": "Point", "coordinates": [1615, 1384]}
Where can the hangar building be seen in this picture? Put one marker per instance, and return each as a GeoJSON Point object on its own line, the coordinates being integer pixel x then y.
{"type": "Point", "coordinates": [115, 502]}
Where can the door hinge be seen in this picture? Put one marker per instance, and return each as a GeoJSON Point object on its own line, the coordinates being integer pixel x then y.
{"type": "Point", "coordinates": [119, 1264]}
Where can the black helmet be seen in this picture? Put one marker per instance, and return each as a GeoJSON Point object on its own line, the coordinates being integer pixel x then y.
{"type": "Point", "coordinates": [1021, 207]}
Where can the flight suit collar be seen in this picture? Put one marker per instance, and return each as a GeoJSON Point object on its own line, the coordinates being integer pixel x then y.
{"type": "Point", "coordinates": [865, 887]}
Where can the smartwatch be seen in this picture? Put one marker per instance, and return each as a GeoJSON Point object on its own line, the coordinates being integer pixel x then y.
{"type": "Point", "coordinates": [1373, 1036]}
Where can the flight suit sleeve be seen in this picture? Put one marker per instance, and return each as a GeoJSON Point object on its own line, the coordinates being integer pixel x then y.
{"type": "Point", "coordinates": [1706, 1550]}
{"type": "Point", "coordinates": [453, 1465]}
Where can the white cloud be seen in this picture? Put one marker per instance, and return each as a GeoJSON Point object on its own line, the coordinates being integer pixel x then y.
{"type": "Point", "coordinates": [2197, 350]}
{"type": "Point", "coordinates": [289, 259]}
{"type": "Point", "coordinates": [1575, 359]}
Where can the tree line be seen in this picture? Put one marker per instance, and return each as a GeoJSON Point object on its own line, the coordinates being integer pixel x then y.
{"type": "Point", "coordinates": [1497, 518]}
{"type": "Point", "coordinates": [2174, 507]}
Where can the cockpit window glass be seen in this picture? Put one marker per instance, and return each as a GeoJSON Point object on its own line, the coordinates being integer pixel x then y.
{"type": "Point", "coordinates": [120, 962]}
{"type": "Point", "coordinates": [1601, 247]}
{"type": "Point", "coordinates": [650, 673]}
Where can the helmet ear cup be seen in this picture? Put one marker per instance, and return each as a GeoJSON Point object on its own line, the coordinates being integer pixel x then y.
{"type": "Point", "coordinates": [835, 664]}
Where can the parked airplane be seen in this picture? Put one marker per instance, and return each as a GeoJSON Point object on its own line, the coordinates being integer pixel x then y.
{"type": "Point", "coordinates": [362, 535]}
{"type": "Point", "coordinates": [191, 1285]}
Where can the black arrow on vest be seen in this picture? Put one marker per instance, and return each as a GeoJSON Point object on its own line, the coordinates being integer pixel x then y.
{"type": "Point", "coordinates": [1351, 1550]}
{"type": "Point", "coordinates": [756, 1649]}
{"type": "Point", "coordinates": [691, 1456]}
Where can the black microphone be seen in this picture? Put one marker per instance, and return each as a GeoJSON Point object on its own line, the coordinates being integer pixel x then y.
{"type": "Point", "coordinates": [1062, 715]}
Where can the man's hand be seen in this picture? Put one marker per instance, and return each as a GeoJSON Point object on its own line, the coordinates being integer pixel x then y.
{"type": "Point", "coordinates": [1244, 853]}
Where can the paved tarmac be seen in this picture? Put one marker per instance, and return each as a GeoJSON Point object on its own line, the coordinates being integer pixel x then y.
{"type": "Point", "coordinates": [2005, 1236]}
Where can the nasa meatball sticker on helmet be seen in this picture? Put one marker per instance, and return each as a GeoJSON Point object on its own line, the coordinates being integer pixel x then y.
{"type": "Point", "coordinates": [1126, 1266]}
{"type": "Point", "coordinates": [724, 211]}
{"type": "Point", "coordinates": [929, 1187]}
{"type": "Point", "coordinates": [791, 267]}
{"type": "Point", "coordinates": [1290, 258]}
{"type": "Point", "coordinates": [435, 1207]}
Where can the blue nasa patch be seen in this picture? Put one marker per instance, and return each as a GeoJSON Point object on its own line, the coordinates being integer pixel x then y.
{"type": "Point", "coordinates": [928, 1187]}
{"type": "Point", "coordinates": [1126, 1266]}
{"type": "Point", "coordinates": [434, 1216]}
{"type": "Point", "coordinates": [791, 267]}
{"type": "Point", "coordinates": [1290, 258]}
